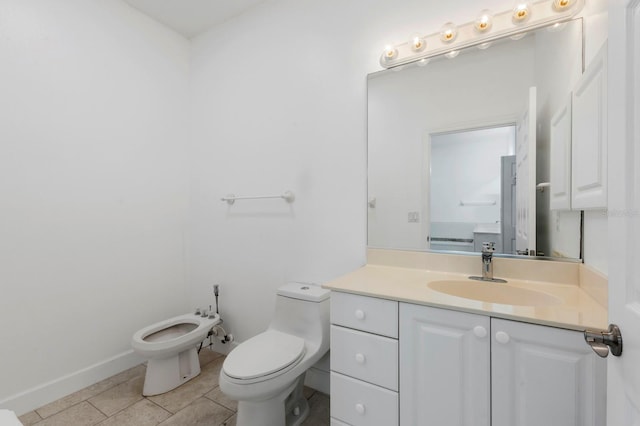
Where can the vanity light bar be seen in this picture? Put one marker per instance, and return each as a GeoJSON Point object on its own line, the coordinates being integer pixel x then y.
{"type": "Point", "coordinates": [524, 17]}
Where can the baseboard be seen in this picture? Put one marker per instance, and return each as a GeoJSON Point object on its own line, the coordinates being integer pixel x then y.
{"type": "Point", "coordinates": [45, 393]}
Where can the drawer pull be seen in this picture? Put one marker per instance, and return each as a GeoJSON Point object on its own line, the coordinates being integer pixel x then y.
{"type": "Point", "coordinates": [360, 358]}
{"type": "Point", "coordinates": [360, 409]}
{"type": "Point", "coordinates": [502, 337]}
{"type": "Point", "coordinates": [360, 314]}
{"type": "Point", "coordinates": [480, 331]}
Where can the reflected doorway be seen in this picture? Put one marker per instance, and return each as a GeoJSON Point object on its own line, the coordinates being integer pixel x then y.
{"type": "Point", "coordinates": [472, 194]}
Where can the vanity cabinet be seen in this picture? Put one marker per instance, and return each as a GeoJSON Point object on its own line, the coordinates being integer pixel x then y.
{"type": "Point", "coordinates": [405, 364]}
{"type": "Point", "coordinates": [364, 361]}
{"type": "Point", "coordinates": [545, 376]}
{"type": "Point", "coordinates": [464, 369]}
{"type": "Point", "coordinates": [444, 367]}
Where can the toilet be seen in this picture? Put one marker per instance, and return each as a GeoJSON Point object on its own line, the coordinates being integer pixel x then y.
{"type": "Point", "coordinates": [265, 374]}
{"type": "Point", "coordinates": [170, 347]}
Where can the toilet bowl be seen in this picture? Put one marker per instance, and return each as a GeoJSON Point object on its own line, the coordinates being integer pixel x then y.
{"type": "Point", "coordinates": [265, 374]}
{"type": "Point", "coordinates": [170, 347]}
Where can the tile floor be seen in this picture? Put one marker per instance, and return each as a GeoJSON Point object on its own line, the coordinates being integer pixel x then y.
{"type": "Point", "coordinates": [118, 401]}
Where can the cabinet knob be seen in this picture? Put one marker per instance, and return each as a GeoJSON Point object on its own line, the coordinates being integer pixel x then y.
{"type": "Point", "coordinates": [360, 409]}
{"type": "Point", "coordinates": [360, 314]}
{"type": "Point", "coordinates": [480, 331]}
{"type": "Point", "coordinates": [502, 337]}
{"type": "Point", "coordinates": [360, 358]}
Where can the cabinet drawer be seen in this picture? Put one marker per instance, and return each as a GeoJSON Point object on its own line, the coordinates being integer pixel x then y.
{"type": "Point", "coordinates": [364, 313]}
{"type": "Point", "coordinates": [362, 404]}
{"type": "Point", "coordinates": [365, 356]}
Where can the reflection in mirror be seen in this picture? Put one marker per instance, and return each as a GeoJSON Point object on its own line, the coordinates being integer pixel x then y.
{"type": "Point", "coordinates": [467, 205]}
{"type": "Point", "coordinates": [445, 139]}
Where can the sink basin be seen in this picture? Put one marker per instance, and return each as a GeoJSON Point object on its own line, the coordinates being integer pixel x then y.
{"type": "Point", "coordinates": [494, 293]}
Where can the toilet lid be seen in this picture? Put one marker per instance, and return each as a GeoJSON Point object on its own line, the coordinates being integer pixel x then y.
{"type": "Point", "coordinates": [264, 354]}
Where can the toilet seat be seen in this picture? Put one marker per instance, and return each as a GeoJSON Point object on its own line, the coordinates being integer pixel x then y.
{"type": "Point", "coordinates": [277, 352]}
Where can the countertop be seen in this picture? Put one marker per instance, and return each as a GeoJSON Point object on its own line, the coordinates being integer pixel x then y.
{"type": "Point", "coordinates": [576, 311]}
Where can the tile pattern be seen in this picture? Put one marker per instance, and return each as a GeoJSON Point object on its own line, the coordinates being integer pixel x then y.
{"type": "Point", "coordinates": [118, 401]}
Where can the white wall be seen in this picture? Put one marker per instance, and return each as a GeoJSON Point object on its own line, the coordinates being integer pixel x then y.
{"type": "Point", "coordinates": [279, 102]}
{"type": "Point", "coordinates": [595, 240]}
{"type": "Point", "coordinates": [93, 190]}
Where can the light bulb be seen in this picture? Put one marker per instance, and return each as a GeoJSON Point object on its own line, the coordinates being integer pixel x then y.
{"type": "Point", "coordinates": [417, 43]}
{"type": "Point", "coordinates": [521, 12]}
{"type": "Point", "coordinates": [448, 32]}
{"type": "Point", "coordinates": [422, 62]}
{"type": "Point", "coordinates": [484, 46]}
{"type": "Point", "coordinates": [452, 54]}
{"type": "Point", "coordinates": [389, 53]}
{"type": "Point", "coordinates": [484, 21]}
{"type": "Point", "coordinates": [560, 5]}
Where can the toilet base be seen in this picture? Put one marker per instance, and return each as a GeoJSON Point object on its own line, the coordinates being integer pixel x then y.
{"type": "Point", "coordinates": [289, 408]}
{"type": "Point", "coordinates": [296, 405]}
{"type": "Point", "coordinates": [166, 374]}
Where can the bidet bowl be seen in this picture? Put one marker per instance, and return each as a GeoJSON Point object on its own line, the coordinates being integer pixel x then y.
{"type": "Point", "coordinates": [169, 337]}
{"type": "Point", "coordinates": [491, 292]}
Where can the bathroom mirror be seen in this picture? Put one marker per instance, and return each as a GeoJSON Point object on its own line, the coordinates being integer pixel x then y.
{"type": "Point", "coordinates": [458, 148]}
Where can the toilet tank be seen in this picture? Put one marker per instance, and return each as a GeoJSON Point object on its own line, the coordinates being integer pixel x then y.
{"type": "Point", "coordinates": [302, 309]}
{"type": "Point", "coordinates": [304, 291]}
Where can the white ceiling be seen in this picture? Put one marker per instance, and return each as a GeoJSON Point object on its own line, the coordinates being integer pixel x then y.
{"type": "Point", "coordinates": [191, 17]}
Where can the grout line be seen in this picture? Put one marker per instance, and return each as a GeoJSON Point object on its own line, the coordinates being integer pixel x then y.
{"type": "Point", "coordinates": [224, 423]}
{"type": "Point", "coordinates": [91, 395]}
{"type": "Point", "coordinates": [122, 409]}
{"type": "Point", "coordinates": [160, 406]}
{"type": "Point", "coordinates": [32, 423]}
{"type": "Point", "coordinates": [219, 404]}
{"type": "Point", "coordinates": [36, 413]}
{"type": "Point", "coordinates": [91, 404]}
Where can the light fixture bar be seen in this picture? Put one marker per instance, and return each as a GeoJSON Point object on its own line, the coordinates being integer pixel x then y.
{"type": "Point", "coordinates": [504, 24]}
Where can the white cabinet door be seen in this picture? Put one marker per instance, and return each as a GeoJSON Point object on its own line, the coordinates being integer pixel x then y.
{"type": "Point", "coordinates": [589, 136]}
{"type": "Point", "coordinates": [545, 376]}
{"type": "Point", "coordinates": [444, 367]}
{"type": "Point", "coordinates": [560, 175]}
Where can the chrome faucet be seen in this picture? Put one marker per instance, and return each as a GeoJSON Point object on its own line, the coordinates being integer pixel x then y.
{"type": "Point", "coordinates": [487, 260]}
{"type": "Point", "coordinates": [488, 248]}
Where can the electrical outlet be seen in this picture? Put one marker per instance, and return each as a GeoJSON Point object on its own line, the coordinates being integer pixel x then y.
{"type": "Point", "coordinates": [413, 217]}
